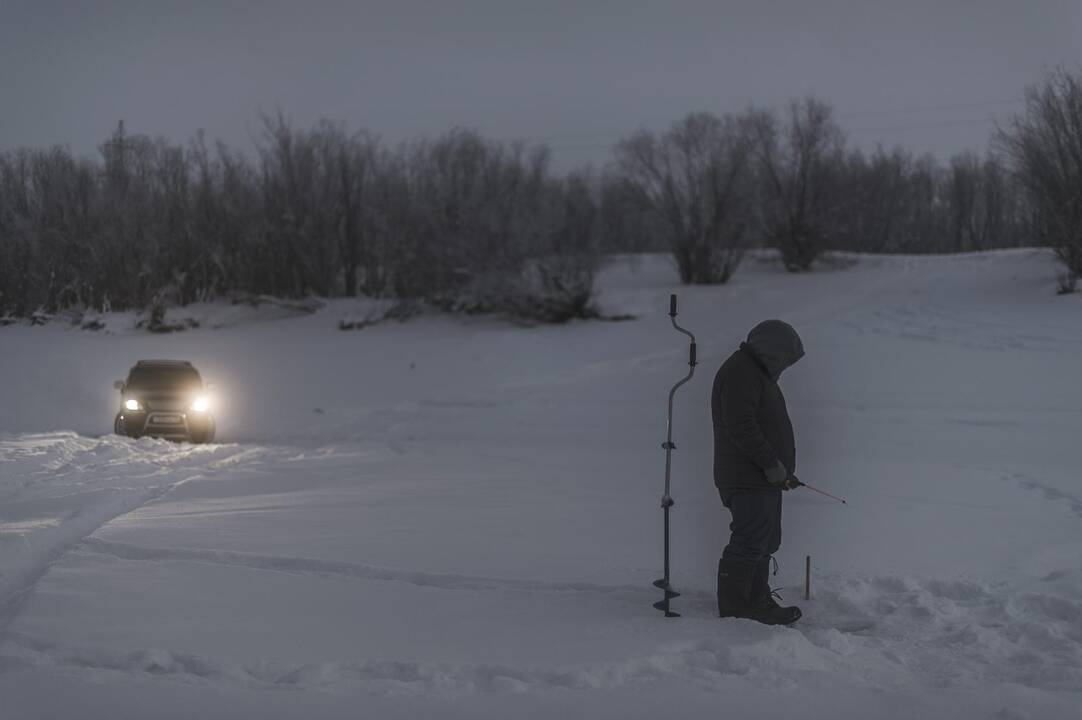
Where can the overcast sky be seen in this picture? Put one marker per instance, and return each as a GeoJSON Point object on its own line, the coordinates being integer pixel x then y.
{"type": "Point", "coordinates": [578, 74]}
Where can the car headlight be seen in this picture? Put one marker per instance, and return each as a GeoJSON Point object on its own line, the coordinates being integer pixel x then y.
{"type": "Point", "coordinates": [132, 404]}
{"type": "Point", "coordinates": [201, 404]}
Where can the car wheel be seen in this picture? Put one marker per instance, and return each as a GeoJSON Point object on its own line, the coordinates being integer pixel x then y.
{"type": "Point", "coordinates": [118, 426]}
{"type": "Point", "coordinates": [207, 436]}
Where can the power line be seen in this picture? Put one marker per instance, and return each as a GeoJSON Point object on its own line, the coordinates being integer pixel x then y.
{"type": "Point", "coordinates": [933, 108]}
{"type": "Point", "coordinates": [879, 128]}
{"type": "Point", "coordinates": [614, 135]}
{"type": "Point", "coordinates": [894, 128]}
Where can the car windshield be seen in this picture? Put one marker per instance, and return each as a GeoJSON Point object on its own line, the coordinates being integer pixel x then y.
{"type": "Point", "coordinates": [162, 377]}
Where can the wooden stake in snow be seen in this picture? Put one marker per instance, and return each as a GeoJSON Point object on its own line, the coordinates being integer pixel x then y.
{"type": "Point", "coordinates": [807, 577]}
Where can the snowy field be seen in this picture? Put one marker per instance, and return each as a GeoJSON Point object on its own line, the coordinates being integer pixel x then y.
{"type": "Point", "coordinates": [459, 518]}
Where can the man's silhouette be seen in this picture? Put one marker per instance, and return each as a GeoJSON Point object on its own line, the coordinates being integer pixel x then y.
{"type": "Point", "coordinates": [754, 461]}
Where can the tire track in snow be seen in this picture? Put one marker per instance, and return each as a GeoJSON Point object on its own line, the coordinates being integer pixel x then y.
{"type": "Point", "coordinates": [1052, 494]}
{"type": "Point", "coordinates": [354, 571]}
{"type": "Point", "coordinates": [86, 483]}
{"type": "Point", "coordinates": [21, 575]}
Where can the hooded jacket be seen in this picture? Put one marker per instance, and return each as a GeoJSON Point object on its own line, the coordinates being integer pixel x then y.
{"type": "Point", "coordinates": [752, 430]}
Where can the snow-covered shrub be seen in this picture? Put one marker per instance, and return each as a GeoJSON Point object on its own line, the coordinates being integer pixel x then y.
{"type": "Point", "coordinates": [555, 290]}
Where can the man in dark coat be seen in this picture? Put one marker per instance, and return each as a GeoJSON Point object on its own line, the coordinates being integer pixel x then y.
{"type": "Point", "coordinates": [754, 461]}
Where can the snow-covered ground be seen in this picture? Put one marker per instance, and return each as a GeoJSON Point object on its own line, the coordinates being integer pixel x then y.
{"type": "Point", "coordinates": [459, 518]}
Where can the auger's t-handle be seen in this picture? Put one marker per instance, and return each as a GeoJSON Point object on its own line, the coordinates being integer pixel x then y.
{"type": "Point", "coordinates": [666, 498]}
{"type": "Point", "coordinates": [672, 315]}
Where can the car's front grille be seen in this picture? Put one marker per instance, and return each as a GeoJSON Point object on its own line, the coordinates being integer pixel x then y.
{"type": "Point", "coordinates": [166, 424]}
{"type": "Point", "coordinates": [165, 404]}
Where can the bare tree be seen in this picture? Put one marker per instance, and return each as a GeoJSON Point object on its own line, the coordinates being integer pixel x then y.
{"type": "Point", "coordinates": [346, 166]}
{"type": "Point", "coordinates": [696, 177]}
{"type": "Point", "coordinates": [801, 166]}
{"type": "Point", "coordinates": [628, 222]}
{"type": "Point", "coordinates": [1044, 144]}
{"type": "Point", "coordinates": [299, 197]}
{"type": "Point", "coordinates": [983, 208]}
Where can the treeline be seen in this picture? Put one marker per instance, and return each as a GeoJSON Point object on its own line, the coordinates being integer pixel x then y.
{"type": "Point", "coordinates": [468, 224]}
{"type": "Point", "coordinates": [712, 187]}
{"type": "Point", "coordinates": [458, 222]}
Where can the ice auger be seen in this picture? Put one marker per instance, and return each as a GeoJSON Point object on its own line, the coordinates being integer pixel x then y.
{"type": "Point", "coordinates": [666, 499]}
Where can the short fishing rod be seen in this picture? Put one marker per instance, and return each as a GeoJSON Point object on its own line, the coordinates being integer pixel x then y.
{"type": "Point", "coordinates": [798, 483]}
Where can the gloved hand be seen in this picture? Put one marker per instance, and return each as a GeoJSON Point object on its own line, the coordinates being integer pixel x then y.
{"type": "Point", "coordinates": [777, 475]}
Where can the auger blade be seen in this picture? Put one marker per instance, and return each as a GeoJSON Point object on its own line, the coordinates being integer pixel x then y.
{"type": "Point", "coordinates": [663, 606]}
{"type": "Point", "coordinates": [669, 594]}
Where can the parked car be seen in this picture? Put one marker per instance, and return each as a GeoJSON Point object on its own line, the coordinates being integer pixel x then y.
{"type": "Point", "coordinates": [166, 399]}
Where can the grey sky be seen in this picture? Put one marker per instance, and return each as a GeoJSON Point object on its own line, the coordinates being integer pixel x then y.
{"type": "Point", "coordinates": [577, 74]}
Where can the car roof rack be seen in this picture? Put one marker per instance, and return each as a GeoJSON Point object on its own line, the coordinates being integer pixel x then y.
{"type": "Point", "coordinates": [175, 363]}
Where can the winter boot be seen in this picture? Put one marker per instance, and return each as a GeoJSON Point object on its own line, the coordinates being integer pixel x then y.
{"type": "Point", "coordinates": [764, 608]}
{"type": "Point", "coordinates": [734, 587]}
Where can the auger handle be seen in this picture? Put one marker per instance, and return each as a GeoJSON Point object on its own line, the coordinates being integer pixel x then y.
{"type": "Point", "coordinates": [692, 361]}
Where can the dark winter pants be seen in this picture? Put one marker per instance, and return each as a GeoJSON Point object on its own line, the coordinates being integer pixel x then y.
{"type": "Point", "coordinates": [756, 526]}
